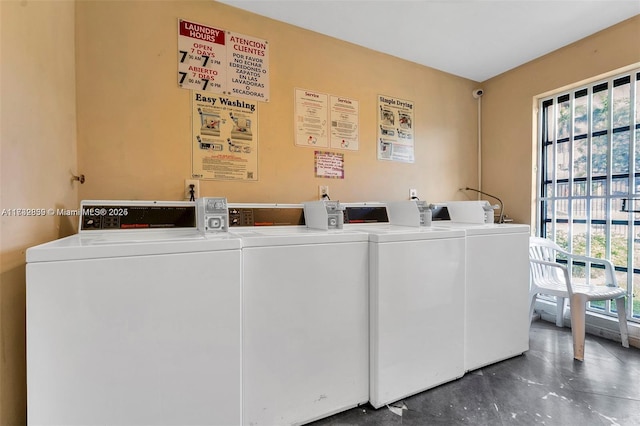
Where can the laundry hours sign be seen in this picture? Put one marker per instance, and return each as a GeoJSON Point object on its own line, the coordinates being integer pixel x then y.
{"type": "Point", "coordinates": [218, 61]}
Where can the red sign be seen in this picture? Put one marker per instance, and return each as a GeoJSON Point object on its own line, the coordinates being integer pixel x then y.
{"type": "Point", "coordinates": [201, 32]}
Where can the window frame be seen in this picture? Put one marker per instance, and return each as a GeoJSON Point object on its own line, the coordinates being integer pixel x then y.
{"type": "Point", "coordinates": [549, 185]}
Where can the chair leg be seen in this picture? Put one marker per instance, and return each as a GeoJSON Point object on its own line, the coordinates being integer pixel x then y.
{"type": "Point", "coordinates": [578, 308]}
{"type": "Point", "coordinates": [622, 319]}
{"type": "Point", "coordinates": [560, 306]}
{"type": "Point", "coordinates": [532, 303]}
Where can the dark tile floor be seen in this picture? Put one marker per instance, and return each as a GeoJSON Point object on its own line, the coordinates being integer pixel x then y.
{"type": "Point", "coordinates": [543, 386]}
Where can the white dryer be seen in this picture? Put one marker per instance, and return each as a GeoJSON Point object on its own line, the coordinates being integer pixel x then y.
{"type": "Point", "coordinates": [497, 289]}
{"type": "Point", "coordinates": [305, 317]}
{"type": "Point", "coordinates": [135, 320]}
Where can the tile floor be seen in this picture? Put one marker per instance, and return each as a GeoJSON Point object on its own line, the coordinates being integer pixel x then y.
{"type": "Point", "coordinates": [543, 386]}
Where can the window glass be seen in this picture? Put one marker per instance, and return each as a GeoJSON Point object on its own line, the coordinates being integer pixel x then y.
{"type": "Point", "coordinates": [600, 108]}
{"type": "Point", "coordinates": [599, 212]}
{"type": "Point", "coordinates": [564, 117]}
{"type": "Point", "coordinates": [599, 155]}
{"type": "Point", "coordinates": [637, 120]}
{"type": "Point", "coordinates": [620, 148]}
{"type": "Point", "coordinates": [636, 297]}
{"type": "Point", "coordinates": [563, 161]}
{"type": "Point", "coordinates": [637, 151]}
{"type": "Point", "coordinates": [581, 113]}
{"type": "Point", "coordinates": [580, 147]}
{"type": "Point", "coordinates": [621, 99]}
{"type": "Point", "coordinates": [549, 164]}
{"type": "Point", "coordinates": [598, 188]}
{"type": "Point", "coordinates": [579, 240]}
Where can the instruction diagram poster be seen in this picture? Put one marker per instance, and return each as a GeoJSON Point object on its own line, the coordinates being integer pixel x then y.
{"type": "Point", "coordinates": [217, 61]}
{"type": "Point", "coordinates": [344, 119]}
{"type": "Point", "coordinates": [395, 129]}
{"type": "Point", "coordinates": [329, 165]}
{"type": "Point", "coordinates": [311, 113]}
{"type": "Point", "coordinates": [225, 137]}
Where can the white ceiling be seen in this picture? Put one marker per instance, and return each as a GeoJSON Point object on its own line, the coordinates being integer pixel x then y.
{"type": "Point", "coordinates": [475, 39]}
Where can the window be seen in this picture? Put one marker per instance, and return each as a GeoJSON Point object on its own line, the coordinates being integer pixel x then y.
{"type": "Point", "coordinates": [589, 179]}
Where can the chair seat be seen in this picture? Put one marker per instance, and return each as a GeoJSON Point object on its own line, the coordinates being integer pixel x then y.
{"type": "Point", "coordinates": [551, 287]}
{"type": "Point", "coordinates": [599, 292]}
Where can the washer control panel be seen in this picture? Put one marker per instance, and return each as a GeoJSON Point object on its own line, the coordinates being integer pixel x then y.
{"type": "Point", "coordinates": [335, 214]}
{"type": "Point", "coordinates": [127, 215]}
{"type": "Point", "coordinates": [425, 213]}
{"type": "Point", "coordinates": [366, 214]}
{"type": "Point", "coordinates": [266, 215]}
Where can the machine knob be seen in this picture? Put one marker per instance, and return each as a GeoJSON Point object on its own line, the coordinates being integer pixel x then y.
{"type": "Point", "coordinates": [91, 222]}
{"type": "Point", "coordinates": [215, 223]}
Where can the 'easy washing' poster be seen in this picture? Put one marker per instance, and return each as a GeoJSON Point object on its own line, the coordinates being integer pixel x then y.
{"type": "Point", "coordinates": [224, 137]}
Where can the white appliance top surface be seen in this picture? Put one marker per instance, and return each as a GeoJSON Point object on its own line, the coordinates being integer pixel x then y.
{"type": "Point", "coordinates": [294, 235]}
{"type": "Point", "coordinates": [130, 243]}
{"type": "Point", "coordinates": [484, 228]}
{"type": "Point", "coordinates": [366, 226]}
{"type": "Point", "coordinates": [392, 233]}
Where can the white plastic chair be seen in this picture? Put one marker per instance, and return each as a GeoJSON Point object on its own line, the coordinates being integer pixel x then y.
{"type": "Point", "coordinates": [552, 278]}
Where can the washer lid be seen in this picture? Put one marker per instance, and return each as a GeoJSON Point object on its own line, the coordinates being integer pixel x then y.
{"type": "Point", "coordinates": [124, 244]}
{"type": "Point", "coordinates": [290, 235]}
{"type": "Point", "coordinates": [486, 228]}
{"type": "Point", "coordinates": [393, 233]}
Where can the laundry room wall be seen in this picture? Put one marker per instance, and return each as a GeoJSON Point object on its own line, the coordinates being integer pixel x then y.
{"type": "Point", "coordinates": [134, 122]}
{"type": "Point", "coordinates": [38, 158]}
{"type": "Point", "coordinates": [509, 119]}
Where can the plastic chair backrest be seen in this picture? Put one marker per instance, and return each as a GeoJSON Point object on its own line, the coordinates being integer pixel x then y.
{"type": "Point", "coordinates": [544, 275]}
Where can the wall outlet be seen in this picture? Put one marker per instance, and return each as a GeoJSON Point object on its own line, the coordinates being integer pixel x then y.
{"type": "Point", "coordinates": [187, 188]}
{"type": "Point", "coordinates": [413, 194]}
{"type": "Point", "coordinates": [323, 192]}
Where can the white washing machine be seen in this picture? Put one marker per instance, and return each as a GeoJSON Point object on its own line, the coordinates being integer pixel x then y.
{"type": "Point", "coordinates": [416, 281]}
{"type": "Point", "coordinates": [416, 310]}
{"type": "Point", "coordinates": [305, 317]}
{"type": "Point", "coordinates": [135, 321]}
{"type": "Point", "coordinates": [497, 289]}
